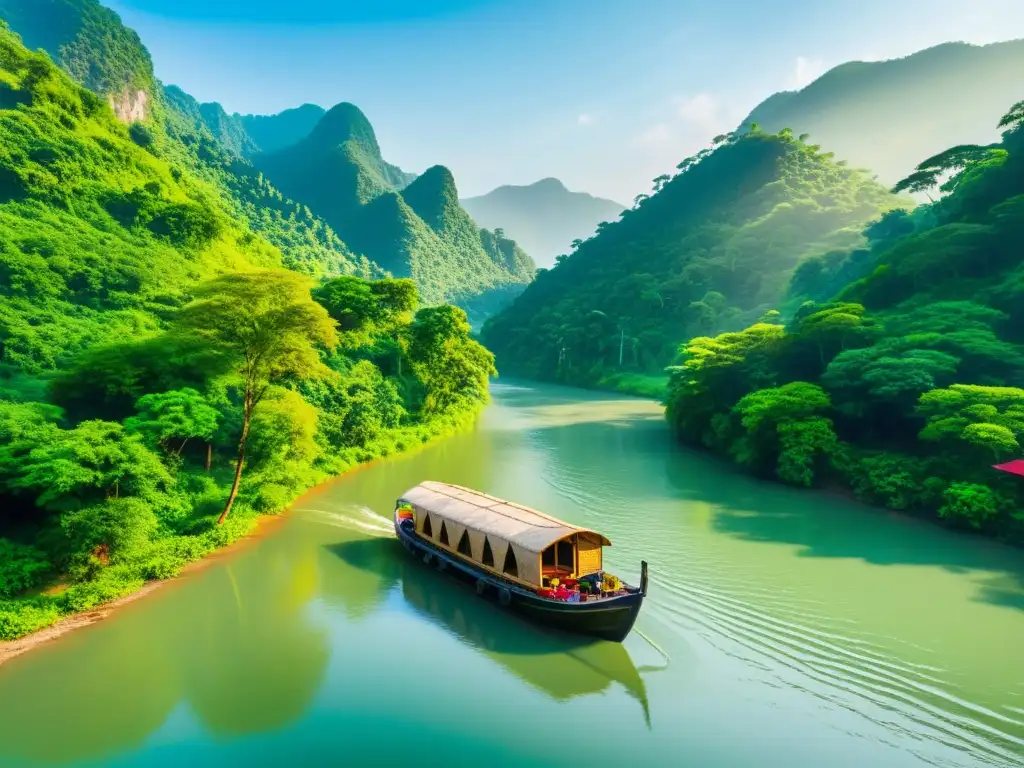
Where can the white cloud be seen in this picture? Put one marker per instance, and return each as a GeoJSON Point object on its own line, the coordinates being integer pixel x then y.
{"type": "Point", "coordinates": [585, 119]}
{"type": "Point", "coordinates": [705, 115]}
{"type": "Point", "coordinates": [805, 71]}
{"type": "Point", "coordinates": [657, 134]}
{"type": "Point", "coordinates": [701, 110]}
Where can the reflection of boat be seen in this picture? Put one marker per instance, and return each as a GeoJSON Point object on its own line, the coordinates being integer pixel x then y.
{"type": "Point", "coordinates": [515, 554]}
{"type": "Point", "coordinates": [559, 665]}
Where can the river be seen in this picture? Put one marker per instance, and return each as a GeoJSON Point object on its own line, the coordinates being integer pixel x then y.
{"type": "Point", "coordinates": [782, 628]}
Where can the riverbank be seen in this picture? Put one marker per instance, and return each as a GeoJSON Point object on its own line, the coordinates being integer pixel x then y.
{"type": "Point", "coordinates": [11, 649]}
{"type": "Point", "coordinates": [27, 622]}
{"type": "Point", "coordinates": [639, 384]}
{"type": "Point", "coordinates": [887, 482]}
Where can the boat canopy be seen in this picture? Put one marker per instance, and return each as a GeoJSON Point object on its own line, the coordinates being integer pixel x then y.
{"type": "Point", "coordinates": [493, 526]}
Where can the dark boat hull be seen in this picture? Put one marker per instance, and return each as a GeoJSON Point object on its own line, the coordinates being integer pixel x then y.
{"type": "Point", "coordinates": [608, 619]}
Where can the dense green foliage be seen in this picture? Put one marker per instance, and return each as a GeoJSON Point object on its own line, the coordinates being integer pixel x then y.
{"type": "Point", "coordinates": [711, 249]}
{"type": "Point", "coordinates": [543, 217]}
{"type": "Point", "coordinates": [884, 115]}
{"type": "Point", "coordinates": [328, 165]}
{"type": "Point", "coordinates": [99, 237]}
{"type": "Point", "coordinates": [86, 39]}
{"type": "Point", "coordinates": [411, 227]}
{"type": "Point", "coordinates": [204, 139]}
{"type": "Point", "coordinates": [271, 133]}
{"type": "Point", "coordinates": [157, 362]}
{"type": "Point", "coordinates": [898, 376]}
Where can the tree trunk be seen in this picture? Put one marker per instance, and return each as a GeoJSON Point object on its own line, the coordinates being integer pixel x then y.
{"type": "Point", "coordinates": [238, 468]}
{"type": "Point", "coordinates": [182, 446]}
{"type": "Point", "coordinates": [622, 338]}
{"type": "Point", "coordinates": [209, 455]}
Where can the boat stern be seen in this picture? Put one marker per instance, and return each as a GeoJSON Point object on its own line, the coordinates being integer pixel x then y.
{"type": "Point", "coordinates": [403, 513]}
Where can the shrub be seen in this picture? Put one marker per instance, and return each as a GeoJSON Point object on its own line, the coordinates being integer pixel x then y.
{"type": "Point", "coordinates": [21, 568]}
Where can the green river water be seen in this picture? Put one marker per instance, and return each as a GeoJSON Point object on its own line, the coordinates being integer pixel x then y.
{"type": "Point", "coordinates": [799, 629]}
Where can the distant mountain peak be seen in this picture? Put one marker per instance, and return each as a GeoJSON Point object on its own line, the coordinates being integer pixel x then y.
{"type": "Point", "coordinates": [550, 183]}
{"type": "Point", "coordinates": [438, 178]}
{"type": "Point", "coordinates": [272, 133]}
{"type": "Point", "coordinates": [543, 217]}
{"type": "Point", "coordinates": [889, 115]}
{"type": "Point", "coordinates": [433, 196]}
{"type": "Point", "coordinates": [344, 122]}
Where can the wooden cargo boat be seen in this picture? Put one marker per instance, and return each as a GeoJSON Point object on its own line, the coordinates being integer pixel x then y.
{"type": "Point", "coordinates": [545, 569]}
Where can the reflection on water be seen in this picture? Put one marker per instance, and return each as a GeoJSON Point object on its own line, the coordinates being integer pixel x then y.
{"type": "Point", "coordinates": [802, 630]}
{"type": "Point", "coordinates": [250, 659]}
{"type": "Point", "coordinates": [85, 705]}
{"type": "Point", "coordinates": [559, 665]}
{"type": "Point", "coordinates": [234, 646]}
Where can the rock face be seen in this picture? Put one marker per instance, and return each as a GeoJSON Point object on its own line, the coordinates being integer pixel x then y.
{"type": "Point", "coordinates": [130, 106]}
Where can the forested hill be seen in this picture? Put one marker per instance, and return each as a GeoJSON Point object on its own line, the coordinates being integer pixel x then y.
{"type": "Point", "coordinates": [271, 133]}
{"type": "Point", "coordinates": [164, 378]}
{"type": "Point", "coordinates": [267, 173]}
{"type": "Point", "coordinates": [903, 381]}
{"type": "Point", "coordinates": [412, 228]}
{"type": "Point", "coordinates": [886, 115]}
{"type": "Point", "coordinates": [544, 217]}
{"type": "Point", "coordinates": [712, 248]}
{"type": "Point", "coordinates": [89, 42]}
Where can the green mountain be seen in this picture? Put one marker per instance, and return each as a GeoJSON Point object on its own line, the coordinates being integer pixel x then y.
{"type": "Point", "coordinates": [227, 129]}
{"type": "Point", "coordinates": [411, 226]}
{"type": "Point", "coordinates": [300, 179]}
{"type": "Point", "coordinates": [203, 138]}
{"type": "Point", "coordinates": [271, 133]}
{"type": "Point", "coordinates": [713, 247]}
{"type": "Point", "coordinates": [164, 379]}
{"type": "Point", "coordinates": [90, 43]}
{"type": "Point", "coordinates": [886, 115]}
{"type": "Point", "coordinates": [544, 217]}
{"type": "Point", "coordinates": [335, 169]}
{"type": "Point", "coordinates": [900, 378]}
{"type": "Point", "coordinates": [100, 237]}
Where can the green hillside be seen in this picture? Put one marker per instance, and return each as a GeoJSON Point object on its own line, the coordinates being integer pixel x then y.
{"type": "Point", "coordinates": [335, 169]}
{"type": "Point", "coordinates": [300, 179]}
{"type": "Point", "coordinates": [712, 248]}
{"type": "Point", "coordinates": [411, 226]}
{"type": "Point", "coordinates": [101, 238]}
{"type": "Point", "coordinates": [211, 149]}
{"type": "Point", "coordinates": [87, 40]}
{"type": "Point", "coordinates": [163, 379]}
{"type": "Point", "coordinates": [882, 115]}
{"type": "Point", "coordinates": [903, 387]}
{"type": "Point", "coordinates": [271, 133]}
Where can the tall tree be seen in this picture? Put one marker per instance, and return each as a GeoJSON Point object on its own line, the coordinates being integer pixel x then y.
{"type": "Point", "coordinates": [266, 328]}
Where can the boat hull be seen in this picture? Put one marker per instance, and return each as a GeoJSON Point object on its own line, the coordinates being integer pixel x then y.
{"type": "Point", "coordinates": [608, 619]}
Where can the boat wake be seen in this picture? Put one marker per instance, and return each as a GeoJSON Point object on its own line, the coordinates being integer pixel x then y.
{"type": "Point", "coordinates": [788, 640]}
{"type": "Point", "coordinates": [355, 518]}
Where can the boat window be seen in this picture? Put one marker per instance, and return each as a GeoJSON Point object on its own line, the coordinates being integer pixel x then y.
{"type": "Point", "coordinates": [566, 558]}
{"type": "Point", "coordinates": [488, 558]}
{"type": "Point", "coordinates": [464, 545]}
{"type": "Point", "coordinates": [444, 535]}
{"type": "Point", "coordinates": [428, 531]}
{"type": "Point", "coordinates": [511, 567]}
{"type": "Point", "coordinates": [547, 557]}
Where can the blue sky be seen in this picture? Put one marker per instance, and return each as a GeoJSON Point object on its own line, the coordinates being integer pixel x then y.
{"type": "Point", "coordinates": [603, 94]}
